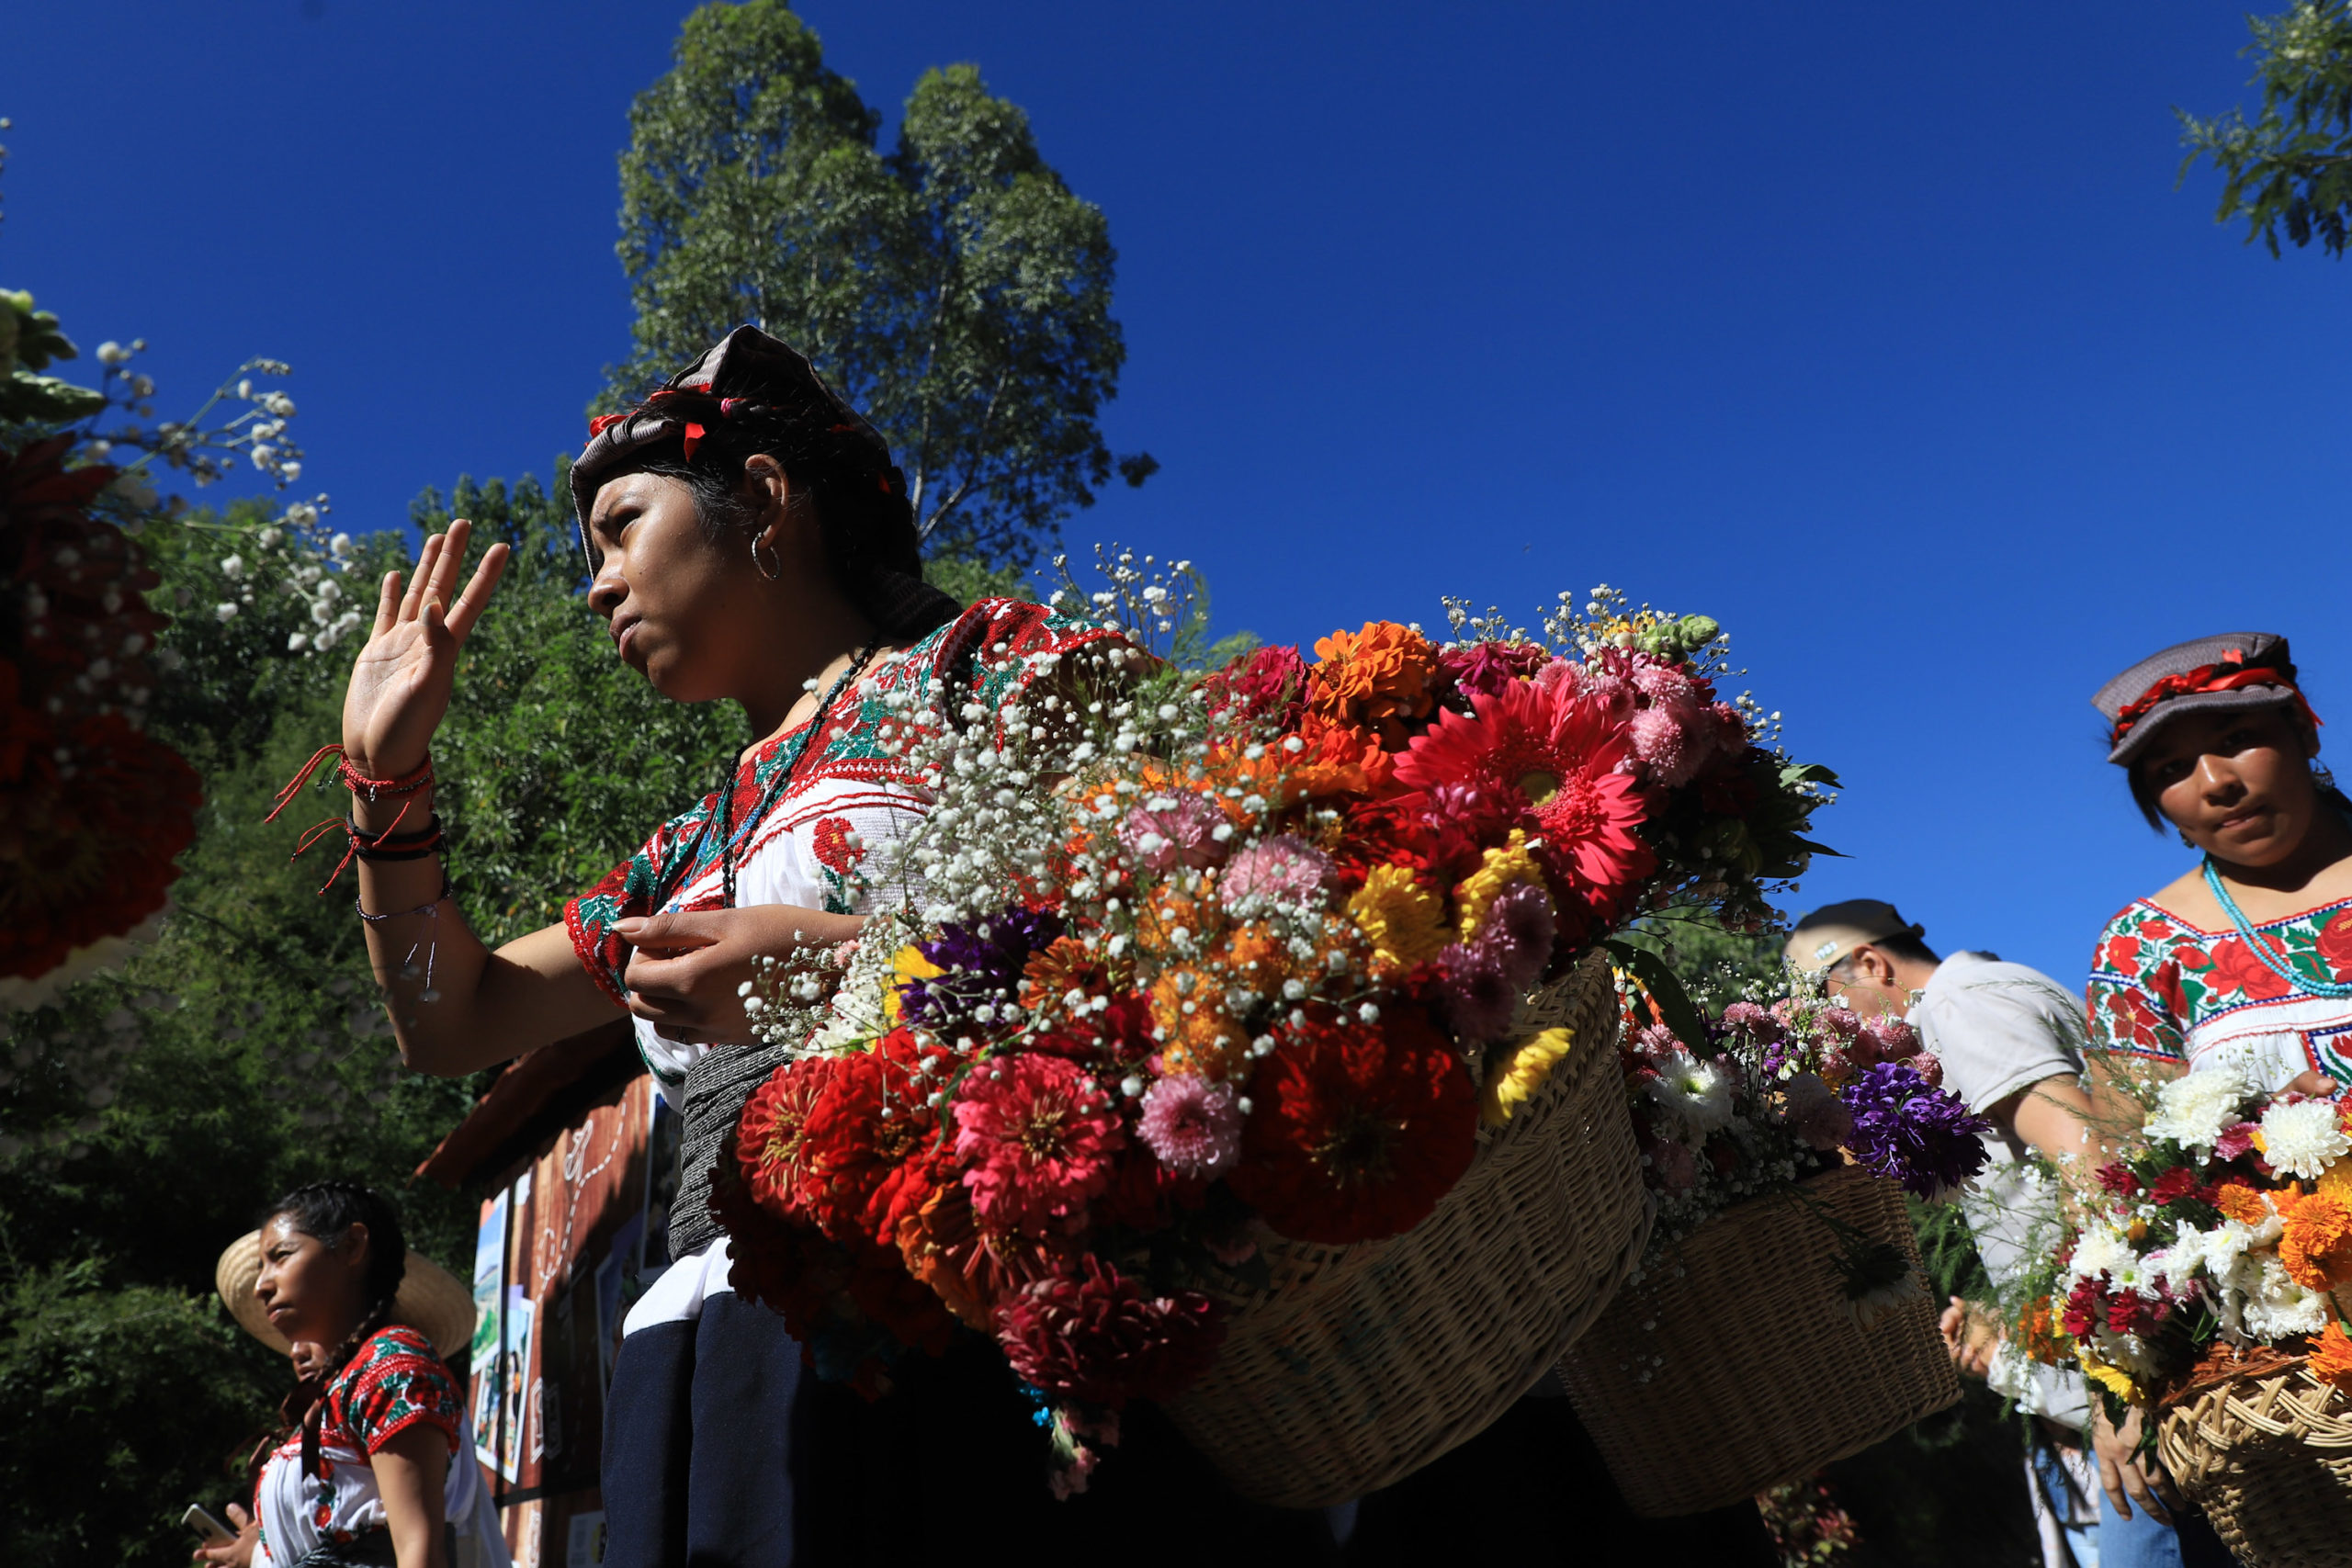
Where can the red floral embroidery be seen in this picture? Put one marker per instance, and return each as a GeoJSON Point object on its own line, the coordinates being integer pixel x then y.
{"type": "Point", "coordinates": [2237, 968]}
{"type": "Point", "coordinates": [838, 850]}
{"type": "Point", "coordinates": [2335, 946]}
{"type": "Point", "coordinates": [2121, 953]}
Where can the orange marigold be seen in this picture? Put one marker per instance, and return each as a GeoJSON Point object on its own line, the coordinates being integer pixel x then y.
{"type": "Point", "coordinates": [2331, 1357]}
{"type": "Point", "coordinates": [1068, 965]}
{"type": "Point", "coordinates": [2317, 1245]}
{"type": "Point", "coordinates": [1375, 679]}
{"type": "Point", "coordinates": [2241, 1202]}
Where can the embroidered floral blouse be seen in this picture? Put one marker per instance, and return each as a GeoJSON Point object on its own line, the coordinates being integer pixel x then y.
{"type": "Point", "coordinates": [395, 1382]}
{"type": "Point", "coordinates": [2162, 988]}
{"type": "Point", "coordinates": [823, 844]}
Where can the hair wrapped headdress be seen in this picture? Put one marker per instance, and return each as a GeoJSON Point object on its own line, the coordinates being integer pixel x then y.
{"type": "Point", "coordinates": [749, 375]}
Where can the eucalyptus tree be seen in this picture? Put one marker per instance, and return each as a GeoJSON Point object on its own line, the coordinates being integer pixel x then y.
{"type": "Point", "coordinates": [953, 288]}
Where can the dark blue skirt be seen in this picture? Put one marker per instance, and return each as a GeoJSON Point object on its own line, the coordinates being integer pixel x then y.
{"type": "Point", "coordinates": [721, 1450]}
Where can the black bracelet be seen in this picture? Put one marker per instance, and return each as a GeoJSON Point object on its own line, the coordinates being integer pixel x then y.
{"type": "Point", "coordinates": [394, 846]}
{"type": "Point", "coordinates": [432, 829]}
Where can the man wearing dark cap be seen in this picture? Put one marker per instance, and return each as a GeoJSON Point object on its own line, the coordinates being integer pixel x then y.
{"type": "Point", "coordinates": [2010, 1040]}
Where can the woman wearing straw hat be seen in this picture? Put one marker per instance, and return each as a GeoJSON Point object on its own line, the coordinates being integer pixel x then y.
{"type": "Point", "coordinates": [2245, 961]}
{"type": "Point", "coordinates": [372, 1466]}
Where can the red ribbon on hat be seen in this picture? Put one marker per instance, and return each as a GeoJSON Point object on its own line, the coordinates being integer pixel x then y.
{"type": "Point", "coordinates": [2229, 675]}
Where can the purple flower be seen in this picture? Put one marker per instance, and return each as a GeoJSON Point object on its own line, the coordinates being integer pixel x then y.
{"type": "Point", "coordinates": [1193, 1126]}
{"type": "Point", "coordinates": [1520, 925]}
{"type": "Point", "coordinates": [1904, 1130]}
{"type": "Point", "coordinates": [1285, 870]}
{"type": "Point", "coordinates": [1170, 830]}
{"type": "Point", "coordinates": [1479, 996]}
{"type": "Point", "coordinates": [981, 965]}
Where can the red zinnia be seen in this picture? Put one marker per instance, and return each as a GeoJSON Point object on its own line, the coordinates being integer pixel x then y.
{"type": "Point", "coordinates": [1096, 1336]}
{"type": "Point", "coordinates": [1036, 1134]}
{"type": "Point", "coordinates": [1357, 1130]}
{"type": "Point", "coordinates": [1559, 754]}
{"type": "Point", "coordinates": [871, 1141]}
{"type": "Point", "coordinates": [772, 1145]}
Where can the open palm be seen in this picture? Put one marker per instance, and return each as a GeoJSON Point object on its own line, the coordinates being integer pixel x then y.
{"type": "Point", "coordinates": [400, 683]}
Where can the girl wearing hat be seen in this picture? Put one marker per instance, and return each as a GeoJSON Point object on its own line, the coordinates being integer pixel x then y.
{"type": "Point", "coordinates": [372, 1466]}
{"type": "Point", "coordinates": [2247, 959]}
{"type": "Point", "coordinates": [749, 538]}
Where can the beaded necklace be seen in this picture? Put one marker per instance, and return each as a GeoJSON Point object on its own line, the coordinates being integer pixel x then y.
{"type": "Point", "coordinates": [2271, 961]}
{"type": "Point", "coordinates": [781, 777]}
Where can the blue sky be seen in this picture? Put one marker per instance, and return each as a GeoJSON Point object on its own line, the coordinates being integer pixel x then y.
{"type": "Point", "coordinates": [1879, 332]}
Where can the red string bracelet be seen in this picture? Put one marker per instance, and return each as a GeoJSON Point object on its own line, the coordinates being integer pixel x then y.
{"type": "Point", "coordinates": [358, 782]}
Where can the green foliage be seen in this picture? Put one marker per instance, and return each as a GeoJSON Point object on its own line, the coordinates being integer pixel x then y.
{"type": "Point", "coordinates": [123, 1405]}
{"type": "Point", "coordinates": [953, 289]}
{"type": "Point", "coordinates": [2291, 168]}
{"type": "Point", "coordinates": [29, 339]}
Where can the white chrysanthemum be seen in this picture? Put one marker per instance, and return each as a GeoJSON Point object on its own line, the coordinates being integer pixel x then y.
{"type": "Point", "coordinates": [2275, 1305]}
{"type": "Point", "coordinates": [2303, 1139]}
{"type": "Point", "coordinates": [1695, 1093]}
{"type": "Point", "coordinates": [2179, 1264]}
{"type": "Point", "coordinates": [2103, 1249]}
{"type": "Point", "coordinates": [2197, 1108]}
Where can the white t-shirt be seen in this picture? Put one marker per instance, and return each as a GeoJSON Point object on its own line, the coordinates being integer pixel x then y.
{"type": "Point", "coordinates": [1998, 1028]}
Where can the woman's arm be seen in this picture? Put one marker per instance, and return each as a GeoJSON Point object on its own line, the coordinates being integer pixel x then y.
{"type": "Point", "coordinates": [455, 1005]}
{"type": "Point", "coordinates": [412, 1469]}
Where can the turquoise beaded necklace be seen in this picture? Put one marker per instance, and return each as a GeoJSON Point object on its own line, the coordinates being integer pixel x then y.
{"type": "Point", "coordinates": [2276, 963]}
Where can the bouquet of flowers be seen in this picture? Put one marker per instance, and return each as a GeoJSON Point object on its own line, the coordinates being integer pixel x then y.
{"type": "Point", "coordinates": [1780, 1321]}
{"type": "Point", "coordinates": [2231, 1227]}
{"type": "Point", "coordinates": [1196, 961]}
{"type": "Point", "coordinates": [2202, 1284]}
{"type": "Point", "coordinates": [1771, 1095]}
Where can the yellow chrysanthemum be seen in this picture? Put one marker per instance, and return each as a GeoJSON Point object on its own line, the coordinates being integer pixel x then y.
{"type": "Point", "coordinates": [907, 963]}
{"type": "Point", "coordinates": [2115, 1380]}
{"type": "Point", "coordinates": [1515, 1079]}
{"type": "Point", "coordinates": [1513, 865]}
{"type": "Point", "coordinates": [1404, 922]}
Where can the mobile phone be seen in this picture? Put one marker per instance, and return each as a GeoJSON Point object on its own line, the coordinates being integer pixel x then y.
{"type": "Point", "coordinates": [204, 1525]}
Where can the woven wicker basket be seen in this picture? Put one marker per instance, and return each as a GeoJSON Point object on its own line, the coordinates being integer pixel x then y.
{"type": "Point", "coordinates": [1735, 1365]}
{"type": "Point", "coordinates": [2265, 1449]}
{"type": "Point", "coordinates": [1360, 1364]}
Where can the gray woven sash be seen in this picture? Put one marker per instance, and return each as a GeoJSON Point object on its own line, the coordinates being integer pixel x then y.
{"type": "Point", "coordinates": [717, 1087]}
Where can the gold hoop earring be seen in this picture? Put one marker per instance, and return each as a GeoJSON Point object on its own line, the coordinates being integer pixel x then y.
{"type": "Point", "coordinates": [775, 575]}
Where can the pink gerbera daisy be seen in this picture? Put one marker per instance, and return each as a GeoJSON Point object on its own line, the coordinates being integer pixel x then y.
{"type": "Point", "coordinates": [1558, 751]}
{"type": "Point", "coordinates": [1036, 1134]}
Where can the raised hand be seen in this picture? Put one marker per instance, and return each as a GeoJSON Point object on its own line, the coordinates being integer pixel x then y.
{"type": "Point", "coordinates": [400, 683]}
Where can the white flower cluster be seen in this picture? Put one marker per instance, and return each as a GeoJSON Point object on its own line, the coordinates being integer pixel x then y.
{"type": "Point", "coordinates": [296, 553]}
{"type": "Point", "coordinates": [255, 435]}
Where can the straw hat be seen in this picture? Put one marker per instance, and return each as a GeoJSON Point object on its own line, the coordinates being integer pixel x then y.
{"type": "Point", "coordinates": [430, 1300]}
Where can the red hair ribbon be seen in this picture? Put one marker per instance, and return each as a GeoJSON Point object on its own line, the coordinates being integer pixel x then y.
{"type": "Point", "coordinates": [598, 425]}
{"type": "Point", "coordinates": [2229, 675]}
{"type": "Point", "coordinates": [694, 433]}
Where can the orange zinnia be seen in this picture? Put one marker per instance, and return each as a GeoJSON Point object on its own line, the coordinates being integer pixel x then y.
{"type": "Point", "coordinates": [1375, 679]}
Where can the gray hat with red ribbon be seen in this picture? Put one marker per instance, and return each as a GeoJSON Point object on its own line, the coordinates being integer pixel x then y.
{"type": "Point", "coordinates": [2231, 669]}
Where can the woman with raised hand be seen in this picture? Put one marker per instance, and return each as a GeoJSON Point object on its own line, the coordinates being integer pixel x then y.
{"type": "Point", "coordinates": [2245, 960]}
{"type": "Point", "coordinates": [749, 539]}
{"type": "Point", "coordinates": [371, 1466]}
